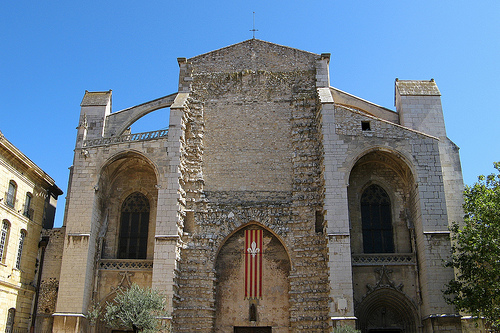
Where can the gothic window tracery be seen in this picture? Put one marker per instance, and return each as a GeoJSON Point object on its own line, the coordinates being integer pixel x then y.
{"type": "Point", "coordinates": [134, 226]}
{"type": "Point", "coordinates": [376, 220]}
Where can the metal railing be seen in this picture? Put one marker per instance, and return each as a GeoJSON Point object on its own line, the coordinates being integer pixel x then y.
{"type": "Point", "coordinates": [145, 136]}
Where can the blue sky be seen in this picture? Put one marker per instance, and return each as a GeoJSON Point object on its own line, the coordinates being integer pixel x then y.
{"type": "Point", "coordinates": [52, 51]}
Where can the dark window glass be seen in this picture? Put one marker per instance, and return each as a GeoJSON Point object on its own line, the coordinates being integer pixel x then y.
{"type": "Point", "coordinates": [4, 235]}
{"type": "Point", "coordinates": [320, 220]}
{"type": "Point", "coordinates": [376, 221]}
{"type": "Point", "coordinates": [28, 212]}
{"type": "Point", "coordinates": [134, 227]}
{"type": "Point", "coordinates": [22, 236]}
{"type": "Point", "coordinates": [9, 325]}
{"type": "Point", "coordinates": [11, 194]}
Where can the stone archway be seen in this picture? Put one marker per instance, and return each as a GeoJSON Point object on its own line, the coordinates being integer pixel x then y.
{"type": "Point", "coordinates": [386, 310]}
{"type": "Point", "coordinates": [126, 173]}
{"type": "Point", "coordinates": [233, 310]}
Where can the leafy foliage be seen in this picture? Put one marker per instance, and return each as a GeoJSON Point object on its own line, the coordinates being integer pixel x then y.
{"type": "Point", "coordinates": [94, 313]}
{"type": "Point", "coordinates": [136, 308]}
{"type": "Point", "coordinates": [476, 252]}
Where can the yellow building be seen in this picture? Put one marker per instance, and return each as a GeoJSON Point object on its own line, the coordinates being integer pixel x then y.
{"type": "Point", "coordinates": [27, 204]}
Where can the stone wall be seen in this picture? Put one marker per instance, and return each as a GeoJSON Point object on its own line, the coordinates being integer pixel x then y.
{"type": "Point", "coordinates": [418, 200]}
{"type": "Point", "coordinates": [258, 140]}
{"type": "Point", "coordinates": [260, 158]}
{"type": "Point", "coordinates": [101, 178]}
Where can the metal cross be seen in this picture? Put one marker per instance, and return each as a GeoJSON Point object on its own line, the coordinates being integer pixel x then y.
{"type": "Point", "coordinates": [254, 30]}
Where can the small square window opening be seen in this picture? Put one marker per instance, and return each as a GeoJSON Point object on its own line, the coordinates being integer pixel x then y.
{"type": "Point", "coordinates": [365, 126]}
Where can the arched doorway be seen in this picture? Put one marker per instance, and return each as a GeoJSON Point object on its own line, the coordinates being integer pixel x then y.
{"type": "Point", "coordinates": [239, 309]}
{"type": "Point", "coordinates": [127, 195]}
{"type": "Point", "coordinates": [386, 310]}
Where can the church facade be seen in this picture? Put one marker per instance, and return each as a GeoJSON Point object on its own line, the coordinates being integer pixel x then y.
{"type": "Point", "coordinates": [273, 203]}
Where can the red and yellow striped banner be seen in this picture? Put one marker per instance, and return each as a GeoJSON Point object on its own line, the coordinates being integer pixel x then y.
{"type": "Point", "coordinates": [253, 263]}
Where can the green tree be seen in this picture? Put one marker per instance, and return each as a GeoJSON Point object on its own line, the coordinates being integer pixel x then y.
{"type": "Point", "coordinates": [476, 252]}
{"type": "Point", "coordinates": [136, 308]}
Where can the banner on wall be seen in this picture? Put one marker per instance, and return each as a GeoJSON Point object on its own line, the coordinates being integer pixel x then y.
{"type": "Point", "coordinates": [253, 263]}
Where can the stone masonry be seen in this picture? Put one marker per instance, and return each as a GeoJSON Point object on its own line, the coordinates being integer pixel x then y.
{"type": "Point", "coordinates": [259, 140]}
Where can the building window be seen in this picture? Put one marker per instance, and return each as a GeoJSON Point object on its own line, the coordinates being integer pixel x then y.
{"type": "Point", "coordinates": [28, 212]}
{"type": "Point", "coordinates": [4, 237]}
{"type": "Point", "coordinates": [9, 325]}
{"type": "Point", "coordinates": [11, 193]}
{"type": "Point", "coordinates": [376, 221]}
{"type": "Point", "coordinates": [365, 126]}
{"type": "Point", "coordinates": [252, 312]}
{"type": "Point", "coordinates": [22, 236]}
{"type": "Point", "coordinates": [134, 227]}
{"type": "Point", "coordinates": [319, 224]}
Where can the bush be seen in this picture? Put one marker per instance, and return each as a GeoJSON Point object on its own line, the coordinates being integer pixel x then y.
{"type": "Point", "coordinates": [136, 308]}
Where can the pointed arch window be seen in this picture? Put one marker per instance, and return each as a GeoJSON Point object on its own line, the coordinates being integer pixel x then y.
{"type": "Point", "coordinates": [134, 226]}
{"type": "Point", "coordinates": [376, 220]}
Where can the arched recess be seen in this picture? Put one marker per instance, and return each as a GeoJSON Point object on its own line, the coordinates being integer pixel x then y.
{"type": "Point", "coordinates": [232, 308]}
{"type": "Point", "coordinates": [397, 156]}
{"type": "Point", "coordinates": [387, 171]}
{"type": "Point", "coordinates": [387, 310]}
{"type": "Point", "coordinates": [124, 174]}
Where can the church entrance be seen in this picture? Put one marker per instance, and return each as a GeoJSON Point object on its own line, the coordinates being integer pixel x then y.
{"type": "Point", "coordinates": [386, 310]}
{"type": "Point", "coordinates": [252, 286]}
{"type": "Point", "coordinates": [264, 329]}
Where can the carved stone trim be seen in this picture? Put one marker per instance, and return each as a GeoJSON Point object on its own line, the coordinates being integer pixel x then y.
{"type": "Point", "coordinates": [166, 236]}
{"type": "Point", "coordinates": [125, 265]}
{"type": "Point", "coordinates": [384, 280]}
{"type": "Point", "coordinates": [146, 136]}
{"type": "Point", "coordinates": [383, 259]}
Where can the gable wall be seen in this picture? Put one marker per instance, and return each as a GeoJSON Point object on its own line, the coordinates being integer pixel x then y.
{"type": "Point", "coordinates": [248, 91]}
{"type": "Point", "coordinates": [260, 161]}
